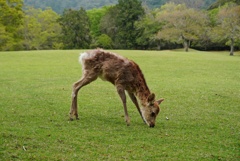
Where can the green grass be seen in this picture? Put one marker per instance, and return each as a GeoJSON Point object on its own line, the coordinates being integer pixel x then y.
{"type": "Point", "coordinates": [202, 102]}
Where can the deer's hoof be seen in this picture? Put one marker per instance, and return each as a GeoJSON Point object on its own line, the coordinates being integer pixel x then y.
{"type": "Point", "coordinates": [128, 123]}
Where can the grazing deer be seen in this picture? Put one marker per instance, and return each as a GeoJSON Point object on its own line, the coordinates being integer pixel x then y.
{"type": "Point", "coordinates": [125, 75]}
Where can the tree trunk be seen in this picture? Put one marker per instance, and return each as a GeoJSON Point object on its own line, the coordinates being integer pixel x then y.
{"type": "Point", "coordinates": [232, 47]}
{"type": "Point", "coordinates": [159, 45]}
{"type": "Point", "coordinates": [186, 45]}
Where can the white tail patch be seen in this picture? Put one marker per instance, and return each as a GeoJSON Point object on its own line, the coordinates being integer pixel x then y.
{"type": "Point", "coordinates": [82, 57]}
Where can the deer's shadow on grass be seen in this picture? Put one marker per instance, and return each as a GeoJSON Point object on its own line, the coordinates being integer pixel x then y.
{"type": "Point", "coordinates": [109, 120]}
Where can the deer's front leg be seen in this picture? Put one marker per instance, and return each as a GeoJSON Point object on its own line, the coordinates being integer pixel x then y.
{"type": "Point", "coordinates": [122, 95]}
{"type": "Point", "coordinates": [134, 100]}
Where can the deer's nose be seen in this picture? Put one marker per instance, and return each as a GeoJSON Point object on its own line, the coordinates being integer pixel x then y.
{"type": "Point", "coordinates": [151, 125]}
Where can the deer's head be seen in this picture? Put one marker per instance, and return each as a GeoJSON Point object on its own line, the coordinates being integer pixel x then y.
{"type": "Point", "coordinates": [151, 110]}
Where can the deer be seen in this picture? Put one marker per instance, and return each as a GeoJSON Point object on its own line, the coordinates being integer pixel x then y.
{"type": "Point", "coordinates": [125, 75]}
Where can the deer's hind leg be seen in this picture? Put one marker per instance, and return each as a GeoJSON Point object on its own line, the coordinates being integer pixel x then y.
{"type": "Point", "coordinates": [86, 79]}
{"type": "Point", "coordinates": [121, 92]}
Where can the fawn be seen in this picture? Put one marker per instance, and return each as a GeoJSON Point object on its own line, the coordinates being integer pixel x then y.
{"type": "Point", "coordinates": [125, 75]}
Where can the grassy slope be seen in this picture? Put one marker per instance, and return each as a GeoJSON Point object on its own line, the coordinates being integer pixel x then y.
{"type": "Point", "coordinates": [201, 91]}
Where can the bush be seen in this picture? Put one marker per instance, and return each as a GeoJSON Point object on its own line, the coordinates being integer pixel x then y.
{"type": "Point", "coordinates": [104, 41]}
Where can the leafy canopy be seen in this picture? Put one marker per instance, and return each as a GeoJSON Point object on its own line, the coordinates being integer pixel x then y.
{"type": "Point", "coordinates": [75, 29]}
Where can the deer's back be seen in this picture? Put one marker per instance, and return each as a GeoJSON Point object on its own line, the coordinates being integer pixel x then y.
{"type": "Point", "coordinates": [112, 67]}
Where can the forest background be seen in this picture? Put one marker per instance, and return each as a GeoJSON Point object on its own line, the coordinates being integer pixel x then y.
{"type": "Point", "coordinates": [120, 24]}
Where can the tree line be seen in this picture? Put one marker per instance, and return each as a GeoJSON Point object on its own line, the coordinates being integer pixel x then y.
{"type": "Point", "coordinates": [59, 5]}
{"type": "Point", "coordinates": [127, 25]}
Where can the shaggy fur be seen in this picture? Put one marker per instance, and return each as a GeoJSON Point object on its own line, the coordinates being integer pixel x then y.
{"type": "Point", "coordinates": [125, 75]}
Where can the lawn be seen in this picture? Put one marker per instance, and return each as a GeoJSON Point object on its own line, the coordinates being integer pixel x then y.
{"type": "Point", "coordinates": [202, 104]}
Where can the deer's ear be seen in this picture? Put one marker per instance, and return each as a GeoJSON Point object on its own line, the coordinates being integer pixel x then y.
{"type": "Point", "coordinates": [160, 101]}
{"type": "Point", "coordinates": [151, 98]}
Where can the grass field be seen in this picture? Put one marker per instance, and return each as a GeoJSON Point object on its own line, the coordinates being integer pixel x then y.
{"type": "Point", "coordinates": [202, 102]}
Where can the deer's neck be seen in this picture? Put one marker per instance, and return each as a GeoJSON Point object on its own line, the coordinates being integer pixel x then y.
{"type": "Point", "coordinates": [142, 95]}
{"type": "Point", "coordinates": [141, 91]}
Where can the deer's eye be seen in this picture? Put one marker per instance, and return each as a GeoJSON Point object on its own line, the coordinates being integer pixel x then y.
{"type": "Point", "coordinates": [151, 104]}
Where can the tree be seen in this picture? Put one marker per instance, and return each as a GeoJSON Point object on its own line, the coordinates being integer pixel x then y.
{"type": "Point", "coordinates": [59, 5]}
{"type": "Point", "coordinates": [104, 41]}
{"type": "Point", "coordinates": [198, 4]}
{"type": "Point", "coordinates": [95, 16]}
{"type": "Point", "coordinates": [190, 3]}
{"type": "Point", "coordinates": [219, 3]}
{"type": "Point", "coordinates": [50, 29]}
{"type": "Point", "coordinates": [119, 23]}
{"type": "Point", "coordinates": [181, 24]}
{"type": "Point", "coordinates": [11, 20]}
{"type": "Point", "coordinates": [32, 29]}
{"type": "Point", "coordinates": [108, 25]}
{"type": "Point", "coordinates": [154, 3]}
{"type": "Point", "coordinates": [75, 29]}
{"type": "Point", "coordinates": [129, 12]}
{"type": "Point", "coordinates": [149, 26]}
{"type": "Point", "coordinates": [41, 30]}
{"type": "Point", "coordinates": [228, 26]}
